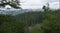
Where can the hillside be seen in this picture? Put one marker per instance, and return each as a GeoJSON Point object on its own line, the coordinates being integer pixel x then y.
{"type": "Point", "coordinates": [30, 17]}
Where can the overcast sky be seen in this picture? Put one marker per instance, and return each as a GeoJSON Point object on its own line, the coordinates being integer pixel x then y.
{"type": "Point", "coordinates": [34, 4]}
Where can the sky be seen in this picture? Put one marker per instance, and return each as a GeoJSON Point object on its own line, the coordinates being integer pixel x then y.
{"type": "Point", "coordinates": [35, 4]}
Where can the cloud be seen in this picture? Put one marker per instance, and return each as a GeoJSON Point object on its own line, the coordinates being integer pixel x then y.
{"type": "Point", "coordinates": [54, 5]}
{"type": "Point", "coordinates": [33, 4]}
{"type": "Point", "coordinates": [38, 3]}
{"type": "Point", "coordinates": [52, 1]}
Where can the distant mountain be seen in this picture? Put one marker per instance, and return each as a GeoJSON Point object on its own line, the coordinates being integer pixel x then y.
{"type": "Point", "coordinates": [12, 11]}
{"type": "Point", "coordinates": [16, 11]}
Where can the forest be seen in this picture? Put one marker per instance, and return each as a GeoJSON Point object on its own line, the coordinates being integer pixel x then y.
{"type": "Point", "coordinates": [47, 21]}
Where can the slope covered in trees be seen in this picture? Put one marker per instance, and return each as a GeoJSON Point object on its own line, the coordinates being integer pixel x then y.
{"type": "Point", "coordinates": [48, 22]}
{"type": "Point", "coordinates": [31, 17]}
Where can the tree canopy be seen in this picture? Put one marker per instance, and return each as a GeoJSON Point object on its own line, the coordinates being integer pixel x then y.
{"type": "Point", "coordinates": [12, 3]}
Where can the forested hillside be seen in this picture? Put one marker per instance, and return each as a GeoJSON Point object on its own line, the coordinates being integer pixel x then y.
{"type": "Point", "coordinates": [31, 17]}
{"type": "Point", "coordinates": [48, 22]}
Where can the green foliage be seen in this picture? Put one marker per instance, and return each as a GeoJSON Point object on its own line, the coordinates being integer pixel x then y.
{"type": "Point", "coordinates": [51, 24]}
{"type": "Point", "coordinates": [10, 25]}
{"type": "Point", "coordinates": [31, 18]}
{"type": "Point", "coordinates": [35, 30]}
{"type": "Point", "coordinates": [21, 23]}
